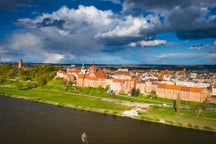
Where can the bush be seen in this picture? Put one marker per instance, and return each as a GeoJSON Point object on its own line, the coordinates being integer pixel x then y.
{"type": "Point", "coordinates": [20, 86]}
{"type": "Point", "coordinates": [31, 85]}
{"type": "Point", "coordinates": [155, 107]}
{"type": "Point", "coordinates": [24, 78]}
{"type": "Point", "coordinates": [135, 92]}
{"type": "Point", "coordinates": [207, 128]}
{"type": "Point", "coordinates": [169, 122]}
{"type": "Point", "coordinates": [2, 80]}
{"type": "Point", "coordinates": [152, 95]}
{"type": "Point", "coordinates": [196, 126]}
{"type": "Point", "coordinates": [190, 125]}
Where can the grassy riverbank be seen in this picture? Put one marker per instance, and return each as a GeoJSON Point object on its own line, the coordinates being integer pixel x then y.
{"type": "Point", "coordinates": [98, 100]}
{"type": "Point", "coordinates": [65, 99]}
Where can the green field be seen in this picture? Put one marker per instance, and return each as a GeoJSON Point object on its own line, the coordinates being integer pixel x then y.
{"type": "Point", "coordinates": [64, 99]}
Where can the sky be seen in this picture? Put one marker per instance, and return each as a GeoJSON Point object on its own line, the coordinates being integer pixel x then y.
{"type": "Point", "coordinates": [108, 31]}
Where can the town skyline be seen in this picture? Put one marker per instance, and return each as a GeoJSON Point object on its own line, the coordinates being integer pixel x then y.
{"type": "Point", "coordinates": [108, 31]}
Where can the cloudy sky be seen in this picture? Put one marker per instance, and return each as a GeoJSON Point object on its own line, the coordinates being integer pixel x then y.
{"type": "Point", "coordinates": [108, 31]}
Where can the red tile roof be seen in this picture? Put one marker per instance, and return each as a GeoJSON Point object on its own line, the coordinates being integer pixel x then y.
{"type": "Point", "coordinates": [118, 80]}
{"type": "Point", "coordinates": [121, 73]}
{"type": "Point", "coordinates": [133, 79]}
{"type": "Point", "coordinates": [81, 76]}
{"type": "Point", "coordinates": [92, 66]}
{"type": "Point", "coordinates": [160, 77]}
{"type": "Point", "coordinates": [181, 88]}
{"type": "Point", "coordinates": [91, 78]}
{"type": "Point", "coordinates": [166, 72]}
{"type": "Point", "coordinates": [100, 74]}
{"type": "Point", "coordinates": [193, 89]}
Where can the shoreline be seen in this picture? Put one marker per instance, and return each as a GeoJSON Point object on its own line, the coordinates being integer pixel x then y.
{"type": "Point", "coordinates": [110, 112]}
{"type": "Point", "coordinates": [116, 106]}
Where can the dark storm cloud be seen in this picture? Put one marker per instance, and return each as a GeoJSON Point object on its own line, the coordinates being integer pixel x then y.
{"type": "Point", "coordinates": [189, 18]}
{"type": "Point", "coordinates": [47, 22]}
{"type": "Point", "coordinates": [197, 34]}
{"type": "Point", "coordinates": [118, 41]}
{"type": "Point", "coordinates": [14, 4]}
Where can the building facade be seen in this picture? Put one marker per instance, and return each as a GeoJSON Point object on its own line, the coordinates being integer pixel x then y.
{"type": "Point", "coordinates": [124, 81]}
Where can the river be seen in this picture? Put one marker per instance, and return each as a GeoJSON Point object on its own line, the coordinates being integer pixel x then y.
{"type": "Point", "coordinates": [27, 122]}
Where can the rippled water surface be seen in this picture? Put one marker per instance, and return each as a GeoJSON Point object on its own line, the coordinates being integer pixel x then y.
{"type": "Point", "coordinates": [26, 122]}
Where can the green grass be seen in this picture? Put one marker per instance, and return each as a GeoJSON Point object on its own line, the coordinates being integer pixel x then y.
{"type": "Point", "coordinates": [101, 92]}
{"type": "Point", "coordinates": [62, 99]}
{"type": "Point", "coordinates": [186, 118]}
{"type": "Point", "coordinates": [59, 82]}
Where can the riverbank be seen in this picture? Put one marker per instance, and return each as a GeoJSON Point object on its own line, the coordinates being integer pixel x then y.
{"type": "Point", "coordinates": [159, 111]}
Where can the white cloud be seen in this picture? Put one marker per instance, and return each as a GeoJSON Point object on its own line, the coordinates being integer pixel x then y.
{"type": "Point", "coordinates": [24, 40]}
{"type": "Point", "coordinates": [82, 31]}
{"type": "Point", "coordinates": [53, 58]}
{"type": "Point", "coordinates": [147, 43]}
{"type": "Point", "coordinates": [130, 27]}
{"type": "Point", "coordinates": [108, 59]}
{"type": "Point", "coordinates": [4, 58]}
{"type": "Point", "coordinates": [103, 23]}
{"type": "Point", "coordinates": [84, 34]}
{"type": "Point", "coordinates": [178, 55]}
{"type": "Point", "coordinates": [211, 56]}
{"type": "Point", "coordinates": [211, 47]}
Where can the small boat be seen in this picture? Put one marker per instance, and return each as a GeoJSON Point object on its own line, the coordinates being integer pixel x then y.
{"type": "Point", "coordinates": [84, 138]}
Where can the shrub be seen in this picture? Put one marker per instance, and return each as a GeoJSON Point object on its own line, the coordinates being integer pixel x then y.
{"type": "Point", "coordinates": [207, 128]}
{"type": "Point", "coordinates": [196, 126]}
{"type": "Point", "coordinates": [189, 125]}
{"type": "Point", "coordinates": [114, 112]}
{"type": "Point", "coordinates": [2, 80]}
{"type": "Point", "coordinates": [135, 92]}
{"type": "Point", "coordinates": [19, 86]}
{"type": "Point", "coordinates": [169, 122]}
{"type": "Point", "coordinates": [31, 85]}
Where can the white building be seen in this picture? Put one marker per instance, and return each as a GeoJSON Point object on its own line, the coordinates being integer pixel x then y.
{"type": "Point", "coordinates": [214, 90]}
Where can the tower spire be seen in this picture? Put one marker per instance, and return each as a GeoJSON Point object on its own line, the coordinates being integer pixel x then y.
{"type": "Point", "coordinates": [83, 67]}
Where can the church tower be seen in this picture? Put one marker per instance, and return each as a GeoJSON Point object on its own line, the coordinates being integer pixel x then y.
{"type": "Point", "coordinates": [92, 70]}
{"type": "Point", "coordinates": [83, 70]}
{"type": "Point", "coordinates": [20, 64]}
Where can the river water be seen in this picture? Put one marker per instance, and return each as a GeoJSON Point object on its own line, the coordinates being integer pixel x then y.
{"type": "Point", "coordinates": [26, 122]}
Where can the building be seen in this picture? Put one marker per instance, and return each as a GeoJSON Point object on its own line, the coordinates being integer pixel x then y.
{"type": "Point", "coordinates": [65, 76]}
{"type": "Point", "coordinates": [95, 78]}
{"type": "Point", "coordinates": [214, 90]}
{"type": "Point", "coordinates": [124, 81]}
{"type": "Point", "coordinates": [186, 93]}
{"type": "Point", "coordinates": [20, 64]}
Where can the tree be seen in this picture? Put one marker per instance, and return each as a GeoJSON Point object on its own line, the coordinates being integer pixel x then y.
{"type": "Point", "coordinates": [2, 80]}
{"type": "Point", "coordinates": [176, 104]}
{"type": "Point", "coordinates": [153, 94]}
{"type": "Point", "coordinates": [41, 81]}
{"type": "Point", "coordinates": [135, 92]}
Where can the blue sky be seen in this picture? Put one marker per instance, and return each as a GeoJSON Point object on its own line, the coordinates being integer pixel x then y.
{"type": "Point", "coordinates": [108, 31]}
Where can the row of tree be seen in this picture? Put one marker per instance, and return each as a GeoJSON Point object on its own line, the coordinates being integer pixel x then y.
{"type": "Point", "coordinates": [40, 74]}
